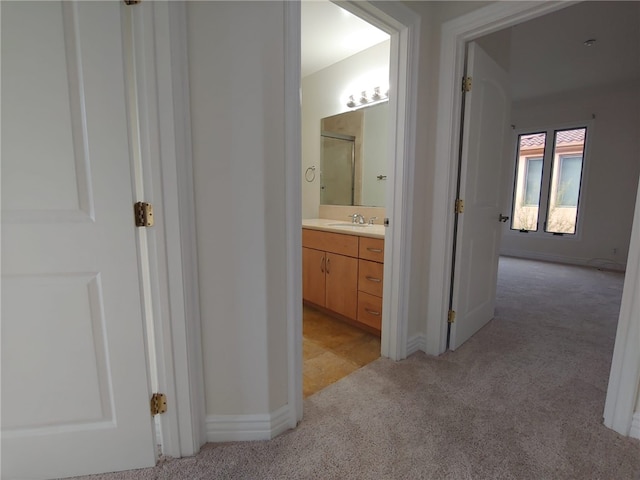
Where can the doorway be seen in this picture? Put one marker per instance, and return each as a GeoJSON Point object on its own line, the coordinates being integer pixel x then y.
{"type": "Point", "coordinates": [455, 34]}
{"type": "Point", "coordinates": [403, 26]}
{"type": "Point", "coordinates": [344, 146]}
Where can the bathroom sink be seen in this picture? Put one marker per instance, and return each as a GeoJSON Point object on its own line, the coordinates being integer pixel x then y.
{"type": "Point", "coordinates": [349, 225]}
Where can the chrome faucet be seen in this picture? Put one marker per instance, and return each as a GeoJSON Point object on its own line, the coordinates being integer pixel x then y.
{"type": "Point", "coordinates": [357, 218]}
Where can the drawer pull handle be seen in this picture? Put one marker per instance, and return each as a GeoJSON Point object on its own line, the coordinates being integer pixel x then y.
{"type": "Point", "coordinates": [374, 250]}
{"type": "Point", "coordinates": [373, 279]}
{"type": "Point", "coordinates": [322, 265]}
{"type": "Point", "coordinates": [328, 264]}
{"type": "Point", "coordinates": [372, 312]}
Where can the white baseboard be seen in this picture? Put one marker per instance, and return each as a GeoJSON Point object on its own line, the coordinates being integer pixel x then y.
{"type": "Point", "coordinates": [231, 428]}
{"type": "Point", "coordinates": [549, 257]}
{"type": "Point", "coordinates": [417, 343]}
{"type": "Point", "coordinates": [635, 426]}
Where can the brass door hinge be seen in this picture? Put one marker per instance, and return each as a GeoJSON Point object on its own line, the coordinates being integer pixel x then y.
{"type": "Point", "coordinates": [459, 206]}
{"type": "Point", "coordinates": [132, 2]}
{"type": "Point", "coordinates": [466, 84]}
{"type": "Point", "coordinates": [143, 212]}
{"type": "Point", "coordinates": [451, 316]}
{"type": "Point", "coordinates": [158, 403]}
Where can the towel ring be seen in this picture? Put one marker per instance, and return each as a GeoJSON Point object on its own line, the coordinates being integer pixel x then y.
{"type": "Point", "coordinates": [310, 174]}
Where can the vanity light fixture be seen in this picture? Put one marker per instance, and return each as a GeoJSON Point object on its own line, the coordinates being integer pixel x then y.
{"type": "Point", "coordinates": [368, 97]}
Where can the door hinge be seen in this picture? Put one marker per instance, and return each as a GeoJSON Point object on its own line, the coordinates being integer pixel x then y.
{"type": "Point", "coordinates": [466, 84]}
{"type": "Point", "coordinates": [143, 212]}
{"type": "Point", "coordinates": [132, 2]}
{"type": "Point", "coordinates": [451, 316]}
{"type": "Point", "coordinates": [459, 206]}
{"type": "Point", "coordinates": [158, 403]}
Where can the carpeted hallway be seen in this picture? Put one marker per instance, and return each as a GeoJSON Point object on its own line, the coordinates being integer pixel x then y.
{"type": "Point", "coordinates": [522, 399]}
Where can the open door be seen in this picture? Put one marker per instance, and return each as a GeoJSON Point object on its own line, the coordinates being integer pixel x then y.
{"type": "Point", "coordinates": [75, 388]}
{"type": "Point", "coordinates": [484, 145]}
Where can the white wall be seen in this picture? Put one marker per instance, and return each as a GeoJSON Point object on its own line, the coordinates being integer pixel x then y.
{"type": "Point", "coordinates": [612, 166]}
{"type": "Point", "coordinates": [236, 68]}
{"type": "Point", "coordinates": [322, 96]}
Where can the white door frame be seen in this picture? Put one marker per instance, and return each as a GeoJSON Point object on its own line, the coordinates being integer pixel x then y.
{"type": "Point", "coordinates": [403, 25]}
{"type": "Point", "coordinates": [624, 379]}
{"type": "Point", "coordinates": [162, 99]}
{"type": "Point", "coordinates": [293, 194]}
{"type": "Point", "coordinates": [625, 370]}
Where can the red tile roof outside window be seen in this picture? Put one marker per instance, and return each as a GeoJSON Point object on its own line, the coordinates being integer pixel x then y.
{"type": "Point", "coordinates": [563, 136]}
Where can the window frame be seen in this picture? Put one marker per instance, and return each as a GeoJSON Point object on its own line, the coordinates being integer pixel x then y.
{"type": "Point", "coordinates": [545, 188]}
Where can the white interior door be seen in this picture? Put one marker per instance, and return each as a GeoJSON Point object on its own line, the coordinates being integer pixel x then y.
{"type": "Point", "coordinates": [485, 137]}
{"type": "Point", "coordinates": [74, 377]}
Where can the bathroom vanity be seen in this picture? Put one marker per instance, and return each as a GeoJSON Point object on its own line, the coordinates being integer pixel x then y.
{"type": "Point", "coordinates": [342, 270]}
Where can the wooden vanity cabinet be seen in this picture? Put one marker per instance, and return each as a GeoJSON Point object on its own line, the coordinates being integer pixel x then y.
{"type": "Point", "coordinates": [330, 271]}
{"type": "Point", "coordinates": [343, 274]}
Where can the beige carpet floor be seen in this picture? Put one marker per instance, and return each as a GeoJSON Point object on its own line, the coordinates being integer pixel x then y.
{"type": "Point", "coordinates": [522, 399]}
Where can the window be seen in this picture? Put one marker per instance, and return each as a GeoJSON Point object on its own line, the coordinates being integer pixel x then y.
{"type": "Point", "coordinates": [560, 189]}
{"type": "Point", "coordinates": [528, 181]}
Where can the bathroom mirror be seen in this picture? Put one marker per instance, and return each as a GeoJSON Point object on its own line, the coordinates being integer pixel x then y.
{"type": "Point", "coordinates": [353, 157]}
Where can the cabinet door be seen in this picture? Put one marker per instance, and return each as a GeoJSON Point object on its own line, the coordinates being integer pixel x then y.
{"type": "Point", "coordinates": [342, 284]}
{"type": "Point", "coordinates": [313, 283]}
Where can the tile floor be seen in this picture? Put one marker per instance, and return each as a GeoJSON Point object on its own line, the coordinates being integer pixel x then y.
{"type": "Point", "coordinates": [332, 349]}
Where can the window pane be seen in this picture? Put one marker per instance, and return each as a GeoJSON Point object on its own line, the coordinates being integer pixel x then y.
{"type": "Point", "coordinates": [526, 197]}
{"type": "Point", "coordinates": [566, 175]}
{"type": "Point", "coordinates": [532, 182]}
{"type": "Point", "coordinates": [569, 180]}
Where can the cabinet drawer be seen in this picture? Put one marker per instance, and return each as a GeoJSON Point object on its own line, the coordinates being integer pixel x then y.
{"type": "Point", "coordinates": [370, 277]}
{"type": "Point", "coordinates": [330, 242]}
{"type": "Point", "coordinates": [372, 249]}
{"type": "Point", "coordinates": [370, 310]}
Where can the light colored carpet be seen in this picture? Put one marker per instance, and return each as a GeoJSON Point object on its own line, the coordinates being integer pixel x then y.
{"type": "Point", "coordinates": [522, 399]}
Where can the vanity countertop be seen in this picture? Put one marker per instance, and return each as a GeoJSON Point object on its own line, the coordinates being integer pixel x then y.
{"type": "Point", "coordinates": [329, 225]}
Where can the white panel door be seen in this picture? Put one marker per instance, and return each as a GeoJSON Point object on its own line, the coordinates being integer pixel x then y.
{"type": "Point", "coordinates": [74, 377]}
{"type": "Point", "coordinates": [485, 136]}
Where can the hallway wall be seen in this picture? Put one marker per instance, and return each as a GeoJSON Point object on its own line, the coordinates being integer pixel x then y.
{"type": "Point", "coordinates": [236, 69]}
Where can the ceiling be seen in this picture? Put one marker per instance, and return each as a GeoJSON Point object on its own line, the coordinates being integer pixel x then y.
{"type": "Point", "coordinates": [331, 34]}
{"type": "Point", "coordinates": [548, 54]}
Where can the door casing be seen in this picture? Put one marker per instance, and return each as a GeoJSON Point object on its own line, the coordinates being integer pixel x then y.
{"type": "Point", "coordinates": [162, 99]}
